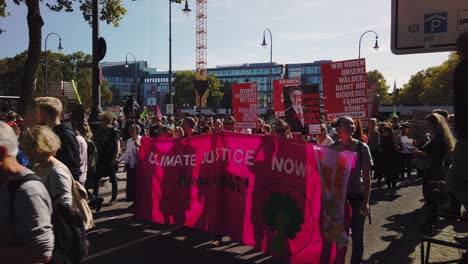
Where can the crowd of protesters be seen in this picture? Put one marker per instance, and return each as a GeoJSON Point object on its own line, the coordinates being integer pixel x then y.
{"type": "Point", "coordinates": [63, 151]}
{"type": "Point", "coordinates": [60, 151]}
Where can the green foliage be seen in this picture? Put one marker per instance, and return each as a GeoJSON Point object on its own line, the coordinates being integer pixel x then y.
{"type": "Point", "coordinates": [185, 90]}
{"type": "Point", "coordinates": [431, 86]}
{"type": "Point", "coordinates": [69, 67]}
{"type": "Point", "coordinates": [111, 11]}
{"type": "Point", "coordinates": [11, 73]}
{"type": "Point", "coordinates": [381, 92]}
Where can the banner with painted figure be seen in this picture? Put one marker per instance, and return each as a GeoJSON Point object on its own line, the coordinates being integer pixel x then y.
{"type": "Point", "coordinates": [278, 91]}
{"type": "Point", "coordinates": [302, 109]}
{"type": "Point", "coordinates": [244, 104]}
{"type": "Point", "coordinates": [334, 167]}
{"type": "Point", "coordinates": [345, 89]}
{"type": "Point", "coordinates": [263, 191]}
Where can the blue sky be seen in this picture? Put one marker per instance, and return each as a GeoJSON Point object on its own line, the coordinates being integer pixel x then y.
{"type": "Point", "coordinates": [303, 31]}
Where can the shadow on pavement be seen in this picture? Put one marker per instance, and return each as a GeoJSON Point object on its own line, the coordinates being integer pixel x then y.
{"type": "Point", "coordinates": [125, 240]}
{"type": "Point", "coordinates": [403, 244]}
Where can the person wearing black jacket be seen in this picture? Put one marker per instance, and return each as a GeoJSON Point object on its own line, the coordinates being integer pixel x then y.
{"type": "Point", "coordinates": [457, 178]}
{"type": "Point", "coordinates": [48, 113]}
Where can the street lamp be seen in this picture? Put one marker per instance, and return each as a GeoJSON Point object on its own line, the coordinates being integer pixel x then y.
{"type": "Point", "coordinates": [134, 73]}
{"type": "Point", "coordinates": [186, 11]}
{"type": "Point", "coordinates": [59, 48]}
{"type": "Point", "coordinates": [134, 81]}
{"type": "Point", "coordinates": [376, 46]}
{"type": "Point", "coordinates": [264, 44]}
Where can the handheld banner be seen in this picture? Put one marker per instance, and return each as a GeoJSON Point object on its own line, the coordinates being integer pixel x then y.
{"type": "Point", "coordinates": [345, 89]}
{"type": "Point", "coordinates": [244, 102]}
{"type": "Point", "coordinates": [302, 109]}
{"type": "Point", "coordinates": [263, 191]}
{"type": "Point", "coordinates": [278, 90]}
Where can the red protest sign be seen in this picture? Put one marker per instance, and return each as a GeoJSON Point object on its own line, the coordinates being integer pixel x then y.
{"type": "Point", "coordinates": [244, 103]}
{"type": "Point", "coordinates": [302, 109]}
{"type": "Point", "coordinates": [345, 89]}
{"type": "Point", "coordinates": [278, 88]}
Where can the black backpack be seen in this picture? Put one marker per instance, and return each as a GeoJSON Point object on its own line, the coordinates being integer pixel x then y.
{"type": "Point", "coordinates": [71, 245]}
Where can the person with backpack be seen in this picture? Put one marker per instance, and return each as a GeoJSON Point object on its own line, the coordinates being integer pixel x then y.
{"type": "Point", "coordinates": [41, 144]}
{"type": "Point", "coordinates": [71, 216]}
{"type": "Point", "coordinates": [48, 113]}
{"type": "Point", "coordinates": [358, 189]}
{"type": "Point", "coordinates": [26, 234]}
{"type": "Point", "coordinates": [107, 141]}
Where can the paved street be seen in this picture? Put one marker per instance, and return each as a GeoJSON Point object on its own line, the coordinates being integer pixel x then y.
{"type": "Point", "coordinates": [393, 236]}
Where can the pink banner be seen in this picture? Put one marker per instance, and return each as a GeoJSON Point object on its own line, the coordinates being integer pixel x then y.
{"type": "Point", "coordinates": [263, 191]}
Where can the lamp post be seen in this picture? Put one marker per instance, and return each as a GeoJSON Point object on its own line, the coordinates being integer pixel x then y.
{"type": "Point", "coordinates": [376, 46]}
{"type": "Point", "coordinates": [59, 48]}
{"type": "Point", "coordinates": [134, 73]}
{"type": "Point", "coordinates": [264, 44]}
{"type": "Point", "coordinates": [186, 11]}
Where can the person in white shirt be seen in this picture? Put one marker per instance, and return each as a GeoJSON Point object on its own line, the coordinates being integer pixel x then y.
{"type": "Point", "coordinates": [407, 144]}
{"type": "Point", "coordinates": [130, 157]}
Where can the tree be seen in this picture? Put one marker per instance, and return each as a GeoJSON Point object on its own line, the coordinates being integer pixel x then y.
{"type": "Point", "coordinates": [381, 88]}
{"type": "Point", "coordinates": [411, 91]}
{"type": "Point", "coordinates": [432, 85]}
{"type": "Point", "coordinates": [281, 213]}
{"type": "Point", "coordinates": [215, 91]}
{"type": "Point", "coordinates": [185, 90]}
{"type": "Point", "coordinates": [11, 73]}
{"type": "Point", "coordinates": [111, 12]}
{"type": "Point", "coordinates": [59, 67]}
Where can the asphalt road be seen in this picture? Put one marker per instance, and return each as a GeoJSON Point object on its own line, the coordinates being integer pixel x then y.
{"type": "Point", "coordinates": [118, 238]}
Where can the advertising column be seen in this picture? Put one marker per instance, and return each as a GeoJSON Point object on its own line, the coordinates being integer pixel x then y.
{"type": "Point", "coordinates": [244, 102]}
{"type": "Point", "coordinates": [345, 89]}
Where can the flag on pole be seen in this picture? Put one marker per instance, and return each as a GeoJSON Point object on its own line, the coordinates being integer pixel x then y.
{"type": "Point", "coordinates": [76, 91]}
{"type": "Point", "coordinates": [158, 112]}
{"type": "Point", "coordinates": [145, 113]}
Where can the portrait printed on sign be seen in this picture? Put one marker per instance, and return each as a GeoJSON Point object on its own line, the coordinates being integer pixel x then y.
{"type": "Point", "coordinates": [302, 109]}
{"type": "Point", "coordinates": [151, 94]}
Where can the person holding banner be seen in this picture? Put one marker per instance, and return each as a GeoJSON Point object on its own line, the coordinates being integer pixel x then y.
{"type": "Point", "coordinates": [229, 124]}
{"type": "Point", "coordinates": [358, 190]}
{"type": "Point", "coordinates": [296, 113]}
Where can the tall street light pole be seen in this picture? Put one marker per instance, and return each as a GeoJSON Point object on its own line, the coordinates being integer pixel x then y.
{"type": "Point", "coordinates": [134, 73]}
{"type": "Point", "coordinates": [376, 46]}
{"type": "Point", "coordinates": [264, 44]}
{"type": "Point", "coordinates": [99, 51]}
{"type": "Point", "coordinates": [59, 48]}
{"type": "Point", "coordinates": [186, 11]}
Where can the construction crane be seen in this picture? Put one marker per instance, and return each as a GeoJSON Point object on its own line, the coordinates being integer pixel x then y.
{"type": "Point", "coordinates": [201, 67]}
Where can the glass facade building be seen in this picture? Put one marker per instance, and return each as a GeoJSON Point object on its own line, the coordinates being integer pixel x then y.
{"type": "Point", "coordinates": [253, 72]}
{"type": "Point", "coordinates": [309, 73]}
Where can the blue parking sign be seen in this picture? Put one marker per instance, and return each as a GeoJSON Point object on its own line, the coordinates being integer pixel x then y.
{"type": "Point", "coordinates": [435, 23]}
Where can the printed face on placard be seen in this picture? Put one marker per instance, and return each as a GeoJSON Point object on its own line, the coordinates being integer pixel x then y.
{"type": "Point", "coordinates": [296, 98]}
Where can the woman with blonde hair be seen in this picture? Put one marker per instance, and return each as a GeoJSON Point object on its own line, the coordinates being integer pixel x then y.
{"type": "Point", "coordinates": [323, 138]}
{"type": "Point", "coordinates": [435, 152]}
{"type": "Point", "coordinates": [178, 132]}
{"type": "Point", "coordinates": [431, 160]}
{"type": "Point", "coordinates": [41, 144]}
